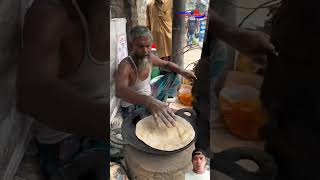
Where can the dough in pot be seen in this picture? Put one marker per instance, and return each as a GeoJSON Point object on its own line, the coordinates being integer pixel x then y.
{"type": "Point", "coordinates": [165, 139]}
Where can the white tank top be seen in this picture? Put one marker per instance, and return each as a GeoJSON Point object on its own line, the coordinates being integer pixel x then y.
{"type": "Point", "coordinates": [141, 87]}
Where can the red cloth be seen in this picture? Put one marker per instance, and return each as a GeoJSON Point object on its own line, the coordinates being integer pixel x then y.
{"type": "Point", "coordinates": [153, 45]}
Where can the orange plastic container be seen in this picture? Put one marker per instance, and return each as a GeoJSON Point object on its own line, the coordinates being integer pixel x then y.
{"type": "Point", "coordinates": [185, 95]}
{"type": "Point", "coordinates": [186, 81]}
{"type": "Point", "coordinates": [242, 112]}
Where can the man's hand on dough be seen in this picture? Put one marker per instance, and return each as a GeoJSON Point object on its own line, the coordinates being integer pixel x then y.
{"type": "Point", "coordinates": [161, 112]}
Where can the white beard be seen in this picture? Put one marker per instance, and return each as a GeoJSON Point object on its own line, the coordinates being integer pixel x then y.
{"type": "Point", "coordinates": [142, 63]}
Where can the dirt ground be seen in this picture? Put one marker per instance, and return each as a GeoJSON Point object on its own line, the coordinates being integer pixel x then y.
{"type": "Point", "coordinates": [191, 55]}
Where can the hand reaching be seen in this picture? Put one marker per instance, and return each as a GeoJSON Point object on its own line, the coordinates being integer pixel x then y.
{"type": "Point", "coordinates": [188, 74]}
{"type": "Point", "coordinates": [254, 44]}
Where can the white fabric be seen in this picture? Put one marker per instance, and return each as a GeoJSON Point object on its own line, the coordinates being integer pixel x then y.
{"type": "Point", "coordinates": [117, 29]}
{"type": "Point", "coordinates": [194, 176]}
{"type": "Point", "coordinates": [154, 80]}
{"type": "Point", "coordinates": [141, 87]}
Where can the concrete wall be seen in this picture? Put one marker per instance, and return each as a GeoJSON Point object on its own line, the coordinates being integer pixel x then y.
{"type": "Point", "coordinates": [117, 8]}
{"type": "Point", "coordinates": [138, 13]}
{"type": "Point", "coordinates": [117, 27]}
{"type": "Point", "coordinates": [141, 10]}
{"type": "Point", "coordinates": [257, 19]}
{"type": "Point", "coordinates": [234, 15]}
{"type": "Point", "coordinates": [120, 14]}
{"type": "Point", "coordinates": [128, 9]}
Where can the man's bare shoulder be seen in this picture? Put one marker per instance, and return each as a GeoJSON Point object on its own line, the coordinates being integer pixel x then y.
{"type": "Point", "coordinates": [154, 59]}
{"type": "Point", "coordinates": [125, 65]}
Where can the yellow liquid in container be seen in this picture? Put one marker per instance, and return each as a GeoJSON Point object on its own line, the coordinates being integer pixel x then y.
{"type": "Point", "coordinates": [185, 95]}
{"type": "Point", "coordinates": [242, 112]}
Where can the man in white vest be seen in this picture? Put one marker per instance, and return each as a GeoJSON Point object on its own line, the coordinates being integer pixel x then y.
{"type": "Point", "coordinates": [133, 78]}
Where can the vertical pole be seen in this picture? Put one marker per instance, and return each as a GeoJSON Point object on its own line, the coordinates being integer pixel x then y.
{"type": "Point", "coordinates": [178, 32]}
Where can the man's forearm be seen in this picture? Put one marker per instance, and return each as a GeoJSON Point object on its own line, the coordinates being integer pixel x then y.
{"type": "Point", "coordinates": [166, 64]}
{"type": "Point", "coordinates": [173, 67]}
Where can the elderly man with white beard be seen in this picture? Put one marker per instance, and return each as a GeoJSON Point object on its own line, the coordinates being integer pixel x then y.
{"type": "Point", "coordinates": [133, 78]}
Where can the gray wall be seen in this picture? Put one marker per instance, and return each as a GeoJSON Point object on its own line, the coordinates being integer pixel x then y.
{"type": "Point", "coordinates": [141, 10]}
{"type": "Point", "coordinates": [257, 19]}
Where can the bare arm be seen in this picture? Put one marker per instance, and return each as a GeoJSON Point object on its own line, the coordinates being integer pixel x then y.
{"type": "Point", "coordinates": [39, 90]}
{"type": "Point", "coordinates": [156, 61]}
{"type": "Point", "coordinates": [171, 66]}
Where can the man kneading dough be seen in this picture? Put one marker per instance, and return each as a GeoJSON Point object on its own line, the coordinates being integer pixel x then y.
{"type": "Point", "coordinates": [163, 138]}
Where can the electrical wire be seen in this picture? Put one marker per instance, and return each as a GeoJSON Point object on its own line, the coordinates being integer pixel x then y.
{"type": "Point", "coordinates": [195, 63]}
{"type": "Point", "coordinates": [257, 8]}
{"type": "Point", "coordinates": [183, 51]}
{"type": "Point", "coordinates": [243, 7]}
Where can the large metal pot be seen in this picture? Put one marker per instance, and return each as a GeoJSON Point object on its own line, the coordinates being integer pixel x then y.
{"type": "Point", "coordinates": [129, 127]}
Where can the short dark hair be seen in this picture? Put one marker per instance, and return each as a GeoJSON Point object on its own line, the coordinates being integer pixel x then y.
{"type": "Point", "coordinates": [198, 151]}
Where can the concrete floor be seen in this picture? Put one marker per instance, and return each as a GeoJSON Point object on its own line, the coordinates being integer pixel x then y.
{"type": "Point", "coordinates": [191, 56]}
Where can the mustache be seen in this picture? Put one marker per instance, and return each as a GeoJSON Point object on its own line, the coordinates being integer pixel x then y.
{"type": "Point", "coordinates": [141, 57]}
{"type": "Point", "coordinates": [146, 55]}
